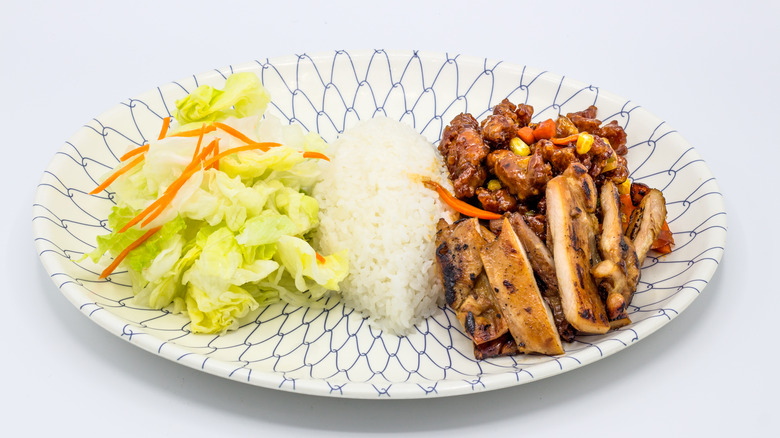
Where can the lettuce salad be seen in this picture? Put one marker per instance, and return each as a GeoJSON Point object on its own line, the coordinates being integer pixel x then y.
{"type": "Point", "coordinates": [235, 235]}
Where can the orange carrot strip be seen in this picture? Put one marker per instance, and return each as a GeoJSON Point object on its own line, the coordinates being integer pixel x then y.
{"type": "Point", "coordinates": [151, 208]}
{"type": "Point", "coordinates": [262, 146]}
{"type": "Point", "coordinates": [320, 258]}
{"type": "Point", "coordinates": [526, 134]}
{"type": "Point", "coordinates": [158, 206]}
{"type": "Point", "coordinates": [194, 132]}
{"type": "Point", "coordinates": [164, 201]}
{"type": "Point", "coordinates": [234, 132]}
{"type": "Point", "coordinates": [458, 205]}
{"type": "Point", "coordinates": [310, 154]}
{"type": "Point", "coordinates": [134, 152]}
{"type": "Point", "coordinates": [216, 152]}
{"type": "Point", "coordinates": [563, 141]}
{"type": "Point", "coordinates": [545, 130]}
{"type": "Point", "coordinates": [164, 129]}
{"type": "Point", "coordinates": [200, 140]}
{"type": "Point", "coordinates": [106, 272]}
{"type": "Point", "coordinates": [116, 175]}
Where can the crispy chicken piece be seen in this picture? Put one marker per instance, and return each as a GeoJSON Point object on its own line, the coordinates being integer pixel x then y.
{"type": "Point", "coordinates": [524, 177]}
{"type": "Point", "coordinates": [502, 125]}
{"type": "Point", "coordinates": [618, 273]}
{"type": "Point", "coordinates": [464, 150]}
{"type": "Point", "coordinates": [529, 318]}
{"type": "Point", "coordinates": [524, 114]}
{"type": "Point", "coordinates": [499, 201]}
{"type": "Point", "coordinates": [543, 265]}
{"type": "Point", "coordinates": [571, 198]}
{"type": "Point", "coordinates": [466, 289]}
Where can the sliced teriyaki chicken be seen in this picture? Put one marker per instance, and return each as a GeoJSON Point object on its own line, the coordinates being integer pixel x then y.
{"type": "Point", "coordinates": [571, 199]}
{"type": "Point", "coordinates": [646, 221]}
{"type": "Point", "coordinates": [503, 346]}
{"type": "Point", "coordinates": [618, 273]}
{"type": "Point", "coordinates": [466, 288]}
{"type": "Point", "coordinates": [543, 265]}
{"type": "Point", "coordinates": [529, 318]}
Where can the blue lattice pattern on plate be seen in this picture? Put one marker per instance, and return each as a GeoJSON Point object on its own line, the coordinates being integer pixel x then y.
{"type": "Point", "coordinates": [334, 351]}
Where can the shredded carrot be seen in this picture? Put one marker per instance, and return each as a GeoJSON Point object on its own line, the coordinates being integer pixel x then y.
{"type": "Point", "coordinates": [320, 257]}
{"type": "Point", "coordinates": [158, 206]}
{"type": "Point", "coordinates": [563, 141]}
{"type": "Point", "coordinates": [526, 133]}
{"type": "Point", "coordinates": [195, 132]}
{"type": "Point", "coordinates": [164, 129]}
{"type": "Point", "coordinates": [196, 160]}
{"type": "Point", "coordinates": [234, 132]}
{"type": "Point", "coordinates": [134, 152]}
{"type": "Point", "coordinates": [458, 205]}
{"type": "Point", "coordinates": [261, 146]}
{"type": "Point", "coordinates": [106, 272]}
{"type": "Point", "coordinates": [310, 154]}
{"type": "Point", "coordinates": [116, 175]}
{"type": "Point", "coordinates": [215, 152]}
{"type": "Point", "coordinates": [545, 130]}
{"type": "Point", "coordinates": [200, 140]}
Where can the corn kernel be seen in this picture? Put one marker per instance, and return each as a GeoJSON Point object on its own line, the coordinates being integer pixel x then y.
{"type": "Point", "coordinates": [624, 188]}
{"type": "Point", "coordinates": [584, 142]}
{"type": "Point", "coordinates": [493, 185]}
{"type": "Point", "coordinates": [519, 147]}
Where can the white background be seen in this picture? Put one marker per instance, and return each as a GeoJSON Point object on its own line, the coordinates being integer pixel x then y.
{"type": "Point", "coordinates": [710, 69]}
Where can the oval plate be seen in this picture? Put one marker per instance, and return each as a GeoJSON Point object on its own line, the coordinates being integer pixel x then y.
{"type": "Point", "coordinates": [334, 352]}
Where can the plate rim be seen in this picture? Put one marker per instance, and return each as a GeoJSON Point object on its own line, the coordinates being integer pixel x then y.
{"type": "Point", "coordinates": [362, 390]}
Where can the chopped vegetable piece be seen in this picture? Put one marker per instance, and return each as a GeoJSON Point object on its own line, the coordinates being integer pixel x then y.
{"type": "Point", "coordinates": [164, 130]}
{"type": "Point", "coordinates": [493, 185]}
{"type": "Point", "coordinates": [116, 175]}
{"type": "Point", "coordinates": [234, 132]}
{"type": "Point", "coordinates": [134, 152]}
{"type": "Point", "coordinates": [526, 134]}
{"type": "Point", "coordinates": [584, 142]}
{"type": "Point", "coordinates": [610, 163]}
{"type": "Point", "coordinates": [458, 205]}
{"type": "Point", "coordinates": [545, 130]}
{"type": "Point", "coordinates": [205, 129]}
{"type": "Point", "coordinates": [624, 188]}
{"type": "Point", "coordinates": [310, 154]}
{"type": "Point", "coordinates": [563, 141]}
{"type": "Point", "coordinates": [519, 147]}
{"type": "Point", "coordinates": [106, 272]}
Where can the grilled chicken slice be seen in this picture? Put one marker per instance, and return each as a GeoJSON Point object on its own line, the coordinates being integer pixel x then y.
{"type": "Point", "coordinates": [618, 273]}
{"type": "Point", "coordinates": [466, 289]}
{"type": "Point", "coordinates": [543, 265]}
{"type": "Point", "coordinates": [571, 233]}
{"type": "Point", "coordinates": [479, 313]}
{"type": "Point", "coordinates": [646, 222]}
{"type": "Point", "coordinates": [529, 318]}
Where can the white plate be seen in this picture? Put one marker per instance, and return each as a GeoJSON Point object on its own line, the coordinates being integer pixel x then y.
{"type": "Point", "coordinates": [334, 352]}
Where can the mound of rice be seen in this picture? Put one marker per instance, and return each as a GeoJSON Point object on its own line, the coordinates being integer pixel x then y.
{"type": "Point", "coordinates": [373, 203]}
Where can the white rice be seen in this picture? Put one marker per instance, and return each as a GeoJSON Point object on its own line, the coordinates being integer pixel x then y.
{"type": "Point", "coordinates": [373, 203]}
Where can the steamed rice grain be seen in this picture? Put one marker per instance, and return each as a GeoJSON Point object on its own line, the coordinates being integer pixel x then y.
{"type": "Point", "coordinates": [373, 203]}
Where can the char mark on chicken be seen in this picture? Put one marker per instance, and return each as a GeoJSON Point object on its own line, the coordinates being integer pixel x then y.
{"type": "Point", "coordinates": [466, 289]}
{"type": "Point", "coordinates": [571, 232]}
